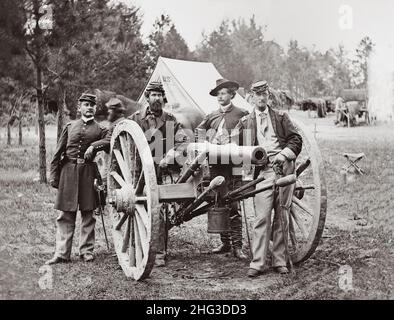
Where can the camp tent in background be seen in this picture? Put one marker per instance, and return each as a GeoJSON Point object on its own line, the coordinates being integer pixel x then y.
{"type": "Point", "coordinates": [187, 85]}
{"type": "Point", "coordinates": [381, 83]}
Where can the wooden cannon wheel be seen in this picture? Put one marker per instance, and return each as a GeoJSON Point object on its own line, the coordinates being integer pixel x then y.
{"type": "Point", "coordinates": [133, 200]}
{"type": "Point", "coordinates": [309, 206]}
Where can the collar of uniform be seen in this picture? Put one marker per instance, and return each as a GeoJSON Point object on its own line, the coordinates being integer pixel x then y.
{"type": "Point", "coordinates": [86, 120]}
{"type": "Point", "coordinates": [227, 108]}
{"type": "Point", "coordinates": [258, 112]}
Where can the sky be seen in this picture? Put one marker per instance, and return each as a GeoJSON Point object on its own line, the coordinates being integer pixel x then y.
{"type": "Point", "coordinates": [322, 24]}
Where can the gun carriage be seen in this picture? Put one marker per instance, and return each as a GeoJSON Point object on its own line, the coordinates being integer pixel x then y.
{"type": "Point", "coordinates": [135, 197]}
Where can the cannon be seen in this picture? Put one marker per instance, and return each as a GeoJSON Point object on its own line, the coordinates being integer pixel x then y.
{"type": "Point", "coordinates": [135, 197]}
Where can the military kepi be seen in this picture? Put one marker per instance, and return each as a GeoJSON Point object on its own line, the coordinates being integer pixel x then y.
{"type": "Point", "coordinates": [259, 86]}
{"type": "Point", "coordinates": [155, 86]}
{"type": "Point", "coordinates": [223, 83]}
{"type": "Point", "coordinates": [88, 97]}
{"type": "Point", "coordinates": [116, 104]}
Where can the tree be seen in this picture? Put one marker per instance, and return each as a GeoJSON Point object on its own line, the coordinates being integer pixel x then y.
{"type": "Point", "coordinates": [341, 77]}
{"type": "Point", "coordinates": [225, 50]}
{"type": "Point", "coordinates": [15, 75]}
{"type": "Point", "coordinates": [239, 51]}
{"type": "Point", "coordinates": [166, 41]}
{"type": "Point", "coordinates": [95, 45]}
{"type": "Point", "coordinates": [360, 63]}
{"type": "Point", "coordinates": [36, 44]}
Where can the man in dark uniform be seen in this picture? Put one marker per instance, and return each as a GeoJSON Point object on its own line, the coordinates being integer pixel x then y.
{"type": "Point", "coordinates": [164, 133]}
{"type": "Point", "coordinates": [73, 173]}
{"type": "Point", "coordinates": [218, 125]}
{"type": "Point", "coordinates": [274, 131]}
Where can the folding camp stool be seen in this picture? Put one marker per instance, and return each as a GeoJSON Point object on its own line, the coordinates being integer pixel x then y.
{"type": "Point", "coordinates": [352, 159]}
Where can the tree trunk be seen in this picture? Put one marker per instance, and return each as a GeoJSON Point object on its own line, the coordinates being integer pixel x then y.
{"type": "Point", "coordinates": [60, 112]}
{"type": "Point", "coordinates": [20, 130]}
{"type": "Point", "coordinates": [41, 126]}
{"type": "Point", "coordinates": [8, 134]}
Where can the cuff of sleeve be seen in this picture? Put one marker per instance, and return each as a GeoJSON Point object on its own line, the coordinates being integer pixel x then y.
{"type": "Point", "coordinates": [288, 153]}
{"type": "Point", "coordinates": [97, 147]}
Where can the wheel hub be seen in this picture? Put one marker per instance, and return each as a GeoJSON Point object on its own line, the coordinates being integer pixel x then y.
{"type": "Point", "coordinates": [124, 199]}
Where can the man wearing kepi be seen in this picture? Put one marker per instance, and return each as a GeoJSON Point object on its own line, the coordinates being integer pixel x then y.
{"type": "Point", "coordinates": [164, 133]}
{"type": "Point", "coordinates": [116, 113]}
{"type": "Point", "coordinates": [218, 126]}
{"type": "Point", "coordinates": [73, 173]}
{"type": "Point", "coordinates": [274, 131]}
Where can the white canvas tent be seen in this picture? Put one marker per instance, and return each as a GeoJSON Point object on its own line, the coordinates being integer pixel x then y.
{"type": "Point", "coordinates": [187, 85]}
{"type": "Point", "coordinates": [381, 83]}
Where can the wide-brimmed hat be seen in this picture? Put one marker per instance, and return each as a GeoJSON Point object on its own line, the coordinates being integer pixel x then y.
{"type": "Point", "coordinates": [259, 86]}
{"type": "Point", "coordinates": [223, 83]}
{"type": "Point", "coordinates": [88, 97]}
{"type": "Point", "coordinates": [116, 104]}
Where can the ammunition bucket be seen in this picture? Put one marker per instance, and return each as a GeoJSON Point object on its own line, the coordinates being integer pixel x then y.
{"type": "Point", "coordinates": [218, 219]}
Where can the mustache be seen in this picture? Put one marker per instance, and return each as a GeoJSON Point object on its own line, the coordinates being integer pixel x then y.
{"type": "Point", "coordinates": [156, 104]}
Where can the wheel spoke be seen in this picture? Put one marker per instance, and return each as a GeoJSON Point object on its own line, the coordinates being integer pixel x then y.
{"type": "Point", "coordinates": [140, 184]}
{"type": "Point", "coordinates": [133, 158]}
{"type": "Point", "coordinates": [303, 206]}
{"type": "Point", "coordinates": [123, 166]}
{"type": "Point", "coordinates": [141, 212]}
{"type": "Point", "coordinates": [298, 222]}
{"type": "Point", "coordinates": [142, 232]}
{"type": "Point", "coordinates": [138, 245]}
{"type": "Point", "coordinates": [132, 244]}
{"type": "Point", "coordinates": [293, 238]}
{"type": "Point", "coordinates": [125, 150]}
{"type": "Point", "coordinates": [126, 238]}
{"type": "Point", "coordinates": [118, 178]}
{"type": "Point", "coordinates": [121, 221]}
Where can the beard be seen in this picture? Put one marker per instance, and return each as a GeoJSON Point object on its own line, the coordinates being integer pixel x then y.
{"type": "Point", "coordinates": [156, 107]}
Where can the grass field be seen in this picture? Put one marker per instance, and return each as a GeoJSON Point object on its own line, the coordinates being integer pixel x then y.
{"type": "Point", "coordinates": [358, 233]}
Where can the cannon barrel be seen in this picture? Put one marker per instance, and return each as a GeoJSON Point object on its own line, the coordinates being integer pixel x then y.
{"type": "Point", "coordinates": [230, 153]}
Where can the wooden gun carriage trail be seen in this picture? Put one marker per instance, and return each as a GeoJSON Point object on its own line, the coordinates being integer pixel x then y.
{"type": "Point", "coordinates": [135, 198]}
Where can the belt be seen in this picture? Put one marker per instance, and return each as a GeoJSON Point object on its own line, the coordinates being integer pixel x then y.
{"type": "Point", "coordinates": [78, 160]}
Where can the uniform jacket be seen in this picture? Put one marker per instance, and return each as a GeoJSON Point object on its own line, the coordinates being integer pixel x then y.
{"type": "Point", "coordinates": [171, 131]}
{"type": "Point", "coordinates": [75, 181]}
{"type": "Point", "coordinates": [282, 125]}
{"type": "Point", "coordinates": [212, 121]}
{"type": "Point", "coordinates": [106, 141]}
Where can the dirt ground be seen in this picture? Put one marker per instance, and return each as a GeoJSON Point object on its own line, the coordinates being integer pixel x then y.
{"type": "Point", "coordinates": [357, 238]}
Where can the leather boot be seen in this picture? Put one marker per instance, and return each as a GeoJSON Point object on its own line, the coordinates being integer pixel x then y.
{"type": "Point", "coordinates": [223, 248]}
{"type": "Point", "coordinates": [239, 254]}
